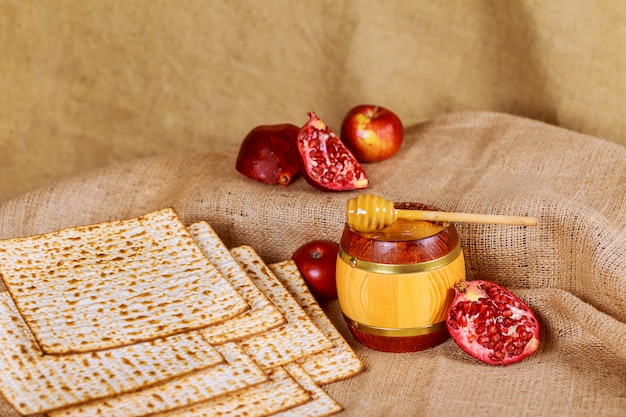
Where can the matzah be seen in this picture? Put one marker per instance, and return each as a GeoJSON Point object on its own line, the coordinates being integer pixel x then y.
{"type": "Point", "coordinates": [262, 315]}
{"type": "Point", "coordinates": [334, 364]}
{"type": "Point", "coordinates": [237, 372]}
{"type": "Point", "coordinates": [297, 338]}
{"type": "Point", "coordinates": [320, 404]}
{"type": "Point", "coordinates": [279, 393]}
{"type": "Point", "coordinates": [33, 382]}
{"type": "Point", "coordinates": [115, 283]}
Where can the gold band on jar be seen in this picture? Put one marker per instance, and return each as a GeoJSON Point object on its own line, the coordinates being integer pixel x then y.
{"type": "Point", "coordinates": [396, 332]}
{"type": "Point", "coordinates": [380, 268]}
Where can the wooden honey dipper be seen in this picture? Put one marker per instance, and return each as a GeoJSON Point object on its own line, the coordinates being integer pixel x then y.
{"type": "Point", "coordinates": [369, 213]}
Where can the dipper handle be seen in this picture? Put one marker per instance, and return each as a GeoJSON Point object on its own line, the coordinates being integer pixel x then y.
{"type": "Point", "coordinates": [368, 213]}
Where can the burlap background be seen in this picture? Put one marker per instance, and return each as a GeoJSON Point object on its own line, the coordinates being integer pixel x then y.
{"type": "Point", "coordinates": [84, 83]}
{"type": "Point", "coordinates": [571, 268]}
{"type": "Point", "coordinates": [90, 83]}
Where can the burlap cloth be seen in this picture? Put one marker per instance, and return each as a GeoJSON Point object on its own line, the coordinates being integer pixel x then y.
{"type": "Point", "coordinates": [87, 83]}
{"type": "Point", "coordinates": [571, 268]}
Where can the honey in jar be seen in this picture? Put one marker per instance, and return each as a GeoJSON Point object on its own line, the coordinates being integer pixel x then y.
{"type": "Point", "coordinates": [395, 285]}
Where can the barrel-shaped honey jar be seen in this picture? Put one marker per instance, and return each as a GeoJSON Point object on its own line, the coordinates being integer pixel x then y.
{"type": "Point", "coordinates": [395, 285]}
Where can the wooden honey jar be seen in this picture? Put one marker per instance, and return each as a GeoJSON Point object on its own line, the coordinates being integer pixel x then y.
{"type": "Point", "coordinates": [396, 284]}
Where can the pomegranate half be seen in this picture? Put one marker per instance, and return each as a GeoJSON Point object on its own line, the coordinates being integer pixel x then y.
{"type": "Point", "coordinates": [326, 162]}
{"type": "Point", "coordinates": [491, 324]}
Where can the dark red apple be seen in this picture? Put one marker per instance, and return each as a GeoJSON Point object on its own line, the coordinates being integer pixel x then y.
{"type": "Point", "coordinates": [317, 262]}
{"type": "Point", "coordinates": [372, 133]}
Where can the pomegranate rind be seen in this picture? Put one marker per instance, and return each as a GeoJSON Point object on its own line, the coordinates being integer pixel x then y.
{"type": "Point", "coordinates": [491, 324]}
{"type": "Point", "coordinates": [327, 164]}
{"type": "Point", "coordinates": [269, 154]}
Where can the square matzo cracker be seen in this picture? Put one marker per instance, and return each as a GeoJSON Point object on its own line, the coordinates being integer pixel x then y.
{"type": "Point", "coordinates": [334, 364]}
{"type": "Point", "coordinates": [34, 382]}
{"type": "Point", "coordinates": [115, 283]}
{"type": "Point", "coordinates": [237, 372]}
{"type": "Point", "coordinates": [262, 315]}
{"type": "Point", "coordinates": [297, 338]}
{"type": "Point", "coordinates": [279, 393]}
{"type": "Point", "coordinates": [319, 405]}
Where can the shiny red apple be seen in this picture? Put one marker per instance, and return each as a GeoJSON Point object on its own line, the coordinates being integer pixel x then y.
{"type": "Point", "coordinates": [372, 133]}
{"type": "Point", "coordinates": [317, 261]}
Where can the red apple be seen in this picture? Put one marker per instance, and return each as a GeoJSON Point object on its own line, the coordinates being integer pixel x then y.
{"type": "Point", "coordinates": [372, 133]}
{"type": "Point", "coordinates": [317, 261]}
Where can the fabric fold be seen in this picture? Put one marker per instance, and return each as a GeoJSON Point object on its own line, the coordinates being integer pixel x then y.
{"type": "Point", "coordinates": [571, 267]}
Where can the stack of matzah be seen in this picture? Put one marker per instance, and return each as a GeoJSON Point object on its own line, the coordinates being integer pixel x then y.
{"type": "Point", "coordinates": [149, 317]}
